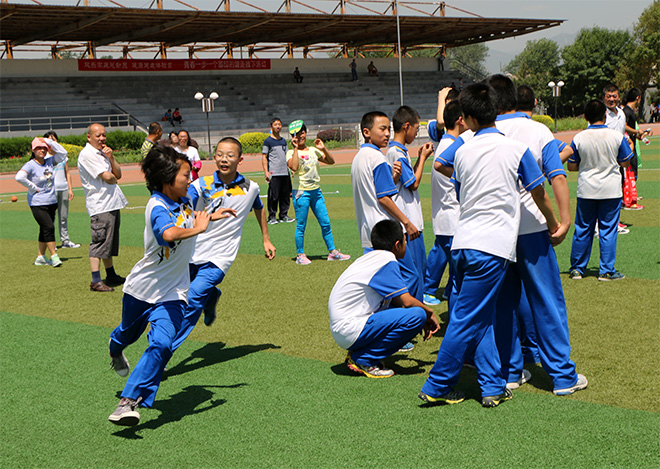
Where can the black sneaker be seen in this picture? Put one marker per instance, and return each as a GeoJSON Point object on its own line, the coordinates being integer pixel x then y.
{"type": "Point", "coordinates": [273, 221]}
{"type": "Point", "coordinates": [452, 397]}
{"type": "Point", "coordinates": [125, 413]}
{"type": "Point", "coordinates": [494, 401]}
{"type": "Point", "coordinates": [115, 281]}
{"type": "Point", "coordinates": [210, 305]}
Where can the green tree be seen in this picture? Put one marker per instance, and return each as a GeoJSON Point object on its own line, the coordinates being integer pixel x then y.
{"type": "Point", "coordinates": [536, 66]}
{"type": "Point", "coordinates": [590, 63]}
{"type": "Point", "coordinates": [641, 64]}
{"type": "Point", "coordinates": [470, 60]}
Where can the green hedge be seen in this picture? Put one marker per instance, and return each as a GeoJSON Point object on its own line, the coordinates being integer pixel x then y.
{"type": "Point", "coordinates": [252, 142]}
{"type": "Point", "coordinates": [545, 119]}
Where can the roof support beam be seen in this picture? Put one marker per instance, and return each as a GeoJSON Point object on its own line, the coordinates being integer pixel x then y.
{"type": "Point", "coordinates": [219, 34]}
{"type": "Point", "coordinates": [137, 34]}
{"type": "Point", "coordinates": [61, 30]}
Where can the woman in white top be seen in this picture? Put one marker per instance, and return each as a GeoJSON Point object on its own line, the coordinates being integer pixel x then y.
{"type": "Point", "coordinates": [191, 152]}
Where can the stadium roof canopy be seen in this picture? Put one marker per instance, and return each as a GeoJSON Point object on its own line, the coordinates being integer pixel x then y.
{"type": "Point", "coordinates": [101, 26]}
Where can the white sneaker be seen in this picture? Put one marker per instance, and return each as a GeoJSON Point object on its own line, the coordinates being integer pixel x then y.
{"type": "Point", "coordinates": [526, 376]}
{"type": "Point", "coordinates": [55, 260]}
{"type": "Point", "coordinates": [579, 386]}
{"type": "Point", "coordinates": [69, 244]}
{"type": "Point", "coordinates": [41, 260]}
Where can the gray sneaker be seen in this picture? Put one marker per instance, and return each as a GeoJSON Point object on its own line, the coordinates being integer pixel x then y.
{"type": "Point", "coordinates": [494, 401]}
{"type": "Point", "coordinates": [120, 365]}
{"type": "Point", "coordinates": [526, 376]}
{"type": "Point", "coordinates": [579, 386]}
{"type": "Point", "coordinates": [369, 371]}
{"type": "Point", "coordinates": [125, 413]}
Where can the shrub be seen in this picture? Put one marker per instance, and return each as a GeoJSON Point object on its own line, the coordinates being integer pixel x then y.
{"type": "Point", "coordinates": [545, 119]}
{"type": "Point", "coordinates": [252, 142]}
{"type": "Point", "coordinates": [119, 139]}
{"type": "Point", "coordinates": [77, 140]}
{"type": "Point", "coordinates": [72, 152]}
{"type": "Point", "coordinates": [15, 146]}
{"type": "Point", "coordinates": [336, 134]}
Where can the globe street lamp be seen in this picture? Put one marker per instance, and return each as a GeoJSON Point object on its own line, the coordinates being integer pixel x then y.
{"type": "Point", "coordinates": [207, 106]}
{"type": "Point", "coordinates": [556, 93]}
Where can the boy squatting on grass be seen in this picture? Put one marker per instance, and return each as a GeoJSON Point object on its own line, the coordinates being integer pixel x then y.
{"type": "Point", "coordinates": [486, 169]}
{"type": "Point", "coordinates": [156, 290]}
{"type": "Point", "coordinates": [216, 248]}
{"type": "Point", "coordinates": [361, 319]}
{"type": "Point", "coordinates": [597, 154]}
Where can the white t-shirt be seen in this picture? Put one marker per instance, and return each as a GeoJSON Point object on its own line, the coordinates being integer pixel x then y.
{"type": "Point", "coordinates": [616, 120]}
{"type": "Point", "coordinates": [487, 169]}
{"type": "Point", "coordinates": [599, 150]}
{"type": "Point", "coordinates": [541, 143]}
{"type": "Point", "coordinates": [443, 196]}
{"type": "Point", "coordinates": [59, 176]}
{"type": "Point", "coordinates": [162, 274]}
{"type": "Point", "coordinates": [406, 199]}
{"type": "Point", "coordinates": [220, 242]}
{"type": "Point", "coordinates": [367, 286]}
{"type": "Point", "coordinates": [371, 178]}
{"type": "Point", "coordinates": [190, 152]}
{"type": "Point", "coordinates": [100, 197]}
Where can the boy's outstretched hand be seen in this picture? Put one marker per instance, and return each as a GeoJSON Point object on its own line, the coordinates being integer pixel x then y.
{"type": "Point", "coordinates": [223, 212]}
{"type": "Point", "coordinates": [269, 249]}
{"type": "Point", "coordinates": [201, 221]}
{"type": "Point", "coordinates": [431, 327]}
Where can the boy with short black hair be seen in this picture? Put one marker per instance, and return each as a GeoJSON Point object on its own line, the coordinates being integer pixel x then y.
{"type": "Point", "coordinates": [225, 190]}
{"type": "Point", "coordinates": [486, 169]}
{"type": "Point", "coordinates": [405, 122]}
{"type": "Point", "coordinates": [371, 178]}
{"type": "Point", "coordinates": [276, 172]}
{"type": "Point", "coordinates": [598, 154]}
{"type": "Point", "coordinates": [361, 319]}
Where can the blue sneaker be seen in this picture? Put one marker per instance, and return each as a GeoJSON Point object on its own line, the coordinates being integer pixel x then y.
{"type": "Point", "coordinates": [611, 276]}
{"type": "Point", "coordinates": [407, 348]}
{"type": "Point", "coordinates": [209, 306]}
{"type": "Point", "coordinates": [431, 300]}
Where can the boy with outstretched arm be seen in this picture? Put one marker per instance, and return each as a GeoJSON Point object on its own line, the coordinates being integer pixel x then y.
{"type": "Point", "coordinates": [361, 319]}
{"type": "Point", "coordinates": [405, 122]}
{"type": "Point", "coordinates": [486, 169]}
{"type": "Point", "coordinates": [217, 248]}
{"type": "Point", "coordinates": [598, 152]}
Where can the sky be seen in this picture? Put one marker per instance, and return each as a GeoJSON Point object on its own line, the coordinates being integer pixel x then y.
{"type": "Point", "coordinates": [610, 14]}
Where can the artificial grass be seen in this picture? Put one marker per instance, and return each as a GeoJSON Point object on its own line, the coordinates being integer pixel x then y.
{"type": "Point", "coordinates": [239, 406]}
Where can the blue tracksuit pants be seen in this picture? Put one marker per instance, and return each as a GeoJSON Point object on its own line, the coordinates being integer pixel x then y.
{"type": "Point", "coordinates": [607, 213]}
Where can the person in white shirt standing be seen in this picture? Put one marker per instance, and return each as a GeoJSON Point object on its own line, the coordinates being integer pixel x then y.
{"type": "Point", "coordinates": [99, 174]}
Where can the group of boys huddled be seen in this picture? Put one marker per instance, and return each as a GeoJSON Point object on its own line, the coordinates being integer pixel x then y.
{"type": "Point", "coordinates": [494, 225]}
{"type": "Point", "coordinates": [493, 221]}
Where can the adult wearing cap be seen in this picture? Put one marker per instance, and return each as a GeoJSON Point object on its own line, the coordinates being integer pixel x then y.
{"type": "Point", "coordinates": [37, 176]}
{"type": "Point", "coordinates": [99, 173]}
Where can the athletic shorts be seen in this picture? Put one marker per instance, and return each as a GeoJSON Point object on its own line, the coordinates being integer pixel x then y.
{"type": "Point", "coordinates": [105, 235]}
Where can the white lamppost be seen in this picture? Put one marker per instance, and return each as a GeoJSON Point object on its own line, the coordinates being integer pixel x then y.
{"type": "Point", "coordinates": [207, 106]}
{"type": "Point", "coordinates": [556, 93]}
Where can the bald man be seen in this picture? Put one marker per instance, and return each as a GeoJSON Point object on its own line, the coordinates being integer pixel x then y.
{"type": "Point", "coordinates": [99, 173]}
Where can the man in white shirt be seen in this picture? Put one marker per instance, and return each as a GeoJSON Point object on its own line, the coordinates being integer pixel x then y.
{"type": "Point", "coordinates": [615, 118]}
{"type": "Point", "coordinates": [99, 173]}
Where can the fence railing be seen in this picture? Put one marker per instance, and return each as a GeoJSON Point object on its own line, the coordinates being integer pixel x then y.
{"type": "Point", "coordinates": [29, 124]}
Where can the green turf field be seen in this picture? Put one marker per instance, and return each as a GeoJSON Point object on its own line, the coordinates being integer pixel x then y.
{"type": "Point", "coordinates": [265, 386]}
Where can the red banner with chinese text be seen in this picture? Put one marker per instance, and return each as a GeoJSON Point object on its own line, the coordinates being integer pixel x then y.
{"type": "Point", "coordinates": [173, 65]}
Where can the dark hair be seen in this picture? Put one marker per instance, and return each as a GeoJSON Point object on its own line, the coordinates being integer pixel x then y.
{"type": "Point", "coordinates": [275, 119]}
{"type": "Point", "coordinates": [632, 95]}
{"type": "Point", "coordinates": [51, 134]}
{"type": "Point", "coordinates": [369, 118]}
{"type": "Point", "coordinates": [478, 101]}
{"type": "Point", "coordinates": [610, 88]}
{"type": "Point", "coordinates": [526, 98]}
{"type": "Point", "coordinates": [594, 111]}
{"type": "Point", "coordinates": [187, 134]}
{"type": "Point", "coordinates": [403, 115]}
{"type": "Point", "coordinates": [385, 234]}
{"type": "Point", "coordinates": [452, 95]}
{"type": "Point", "coordinates": [451, 114]}
{"type": "Point", "coordinates": [161, 166]}
{"type": "Point", "coordinates": [505, 92]}
{"type": "Point", "coordinates": [302, 129]}
{"type": "Point", "coordinates": [154, 128]}
{"type": "Point", "coordinates": [231, 140]}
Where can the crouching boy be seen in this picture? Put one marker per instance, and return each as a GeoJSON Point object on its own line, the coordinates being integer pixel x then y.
{"type": "Point", "coordinates": [361, 319]}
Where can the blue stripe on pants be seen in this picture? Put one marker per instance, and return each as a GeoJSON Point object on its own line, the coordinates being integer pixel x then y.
{"type": "Point", "coordinates": [478, 280]}
{"type": "Point", "coordinates": [165, 320]}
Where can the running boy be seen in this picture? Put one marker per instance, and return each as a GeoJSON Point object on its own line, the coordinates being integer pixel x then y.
{"type": "Point", "coordinates": [371, 177]}
{"type": "Point", "coordinates": [156, 289]}
{"type": "Point", "coordinates": [486, 169]}
{"type": "Point", "coordinates": [405, 122]}
{"type": "Point", "coordinates": [216, 249]}
{"type": "Point", "coordinates": [598, 153]}
{"type": "Point", "coordinates": [361, 319]}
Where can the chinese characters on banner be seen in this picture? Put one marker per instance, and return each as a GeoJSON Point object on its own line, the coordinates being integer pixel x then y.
{"type": "Point", "coordinates": [175, 65]}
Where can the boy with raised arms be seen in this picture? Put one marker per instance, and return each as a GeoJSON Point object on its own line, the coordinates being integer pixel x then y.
{"type": "Point", "coordinates": [361, 319]}
{"type": "Point", "coordinates": [486, 169]}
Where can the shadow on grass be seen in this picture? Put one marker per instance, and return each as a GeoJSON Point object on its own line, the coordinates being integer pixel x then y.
{"type": "Point", "coordinates": [213, 353]}
{"type": "Point", "coordinates": [341, 369]}
{"type": "Point", "coordinates": [186, 402]}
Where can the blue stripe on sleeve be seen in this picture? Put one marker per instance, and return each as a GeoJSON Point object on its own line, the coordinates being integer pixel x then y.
{"type": "Point", "coordinates": [529, 172]}
{"type": "Point", "coordinates": [435, 134]}
{"type": "Point", "coordinates": [161, 220]}
{"type": "Point", "coordinates": [383, 181]}
{"type": "Point", "coordinates": [407, 173]}
{"type": "Point", "coordinates": [387, 281]}
{"type": "Point", "coordinates": [552, 165]}
{"type": "Point", "coordinates": [446, 158]}
{"type": "Point", "coordinates": [193, 195]}
{"type": "Point", "coordinates": [560, 145]}
{"type": "Point", "coordinates": [575, 157]}
{"type": "Point", "coordinates": [258, 204]}
{"type": "Point", "coordinates": [625, 152]}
